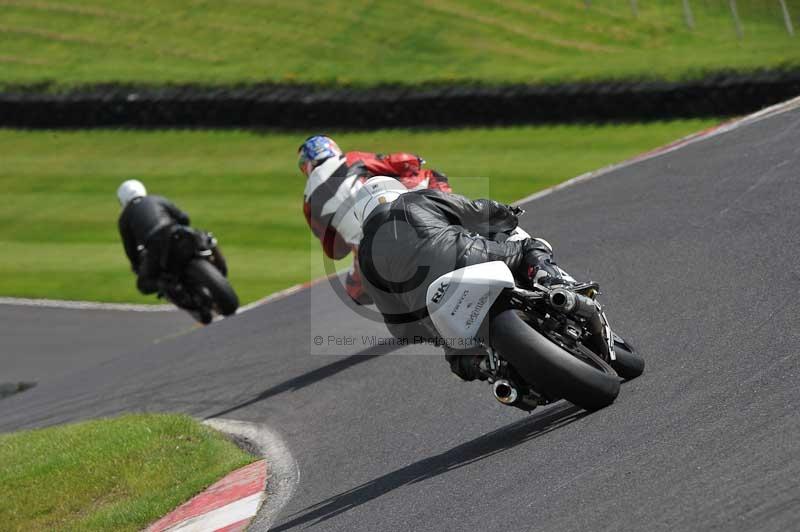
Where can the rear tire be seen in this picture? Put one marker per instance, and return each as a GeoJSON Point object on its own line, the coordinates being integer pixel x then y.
{"type": "Point", "coordinates": [203, 316]}
{"type": "Point", "coordinates": [203, 273]}
{"type": "Point", "coordinates": [549, 368]}
{"type": "Point", "coordinates": [629, 364]}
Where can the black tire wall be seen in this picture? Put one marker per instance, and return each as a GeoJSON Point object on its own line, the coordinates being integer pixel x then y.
{"type": "Point", "coordinates": [299, 107]}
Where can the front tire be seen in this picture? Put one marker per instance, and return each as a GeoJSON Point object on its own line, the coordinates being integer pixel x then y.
{"type": "Point", "coordinates": [219, 261]}
{"type": "Point", "coordinates": [548, 367]}
{"type": "Point", "coordinates": [203, 273]}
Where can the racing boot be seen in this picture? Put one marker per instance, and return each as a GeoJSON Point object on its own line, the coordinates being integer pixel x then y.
{"type": "Point", "coordinates": [466, 363]}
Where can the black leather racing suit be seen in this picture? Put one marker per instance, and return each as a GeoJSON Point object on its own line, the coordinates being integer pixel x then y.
{"type": "Point", "coordinates": [410, 242]}
{"type": "Point", "coordinates": [148, 222]}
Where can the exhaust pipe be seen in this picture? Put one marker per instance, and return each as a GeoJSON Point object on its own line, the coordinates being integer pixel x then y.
{"type": "Point", "coordinates": [569, 302]}
{"type": "Point", "coordinates": [505, 392]}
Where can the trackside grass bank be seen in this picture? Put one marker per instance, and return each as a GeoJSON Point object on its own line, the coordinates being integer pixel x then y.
{"type": "Point", "coordinates": [372, 42]}
{"type": "Point", "coordinates": [58, 231]}
{"type": "Point", "coordinates": [113, 474]}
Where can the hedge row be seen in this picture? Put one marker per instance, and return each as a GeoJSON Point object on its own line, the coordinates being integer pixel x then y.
{"type": "Point", "coordinates": [313, 107]}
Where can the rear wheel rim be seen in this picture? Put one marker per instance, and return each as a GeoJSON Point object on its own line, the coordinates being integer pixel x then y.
{"type": "Point", "coordinates": [585, 355]}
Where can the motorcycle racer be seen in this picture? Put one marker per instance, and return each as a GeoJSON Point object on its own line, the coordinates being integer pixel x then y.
{"type": "Point", "coordinates": [334, 177]}
{"type": "Point", "coordinates": [410, 238]}
{"type": "Point", "coordinates": [145, 225]}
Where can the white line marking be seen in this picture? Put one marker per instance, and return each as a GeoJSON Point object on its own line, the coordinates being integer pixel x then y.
{"type": "Point", "coordinates": [83, 305]}
{"type": "Point", "coordinates": [221, 517]}
{"type": "Point", "coordinates": [286, 292]}
{"type": "Point", "coordinates": [132, 307]}
{"type": "Point", "coordinates": [283, 471]}
{"type": "Point", "coordinates": [669, 148]}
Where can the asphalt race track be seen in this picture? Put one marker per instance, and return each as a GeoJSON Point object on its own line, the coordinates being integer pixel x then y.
{"type": "Point", "coordinates": [697, 252]}
{"type": "Point", "coordinates": [41, 344]}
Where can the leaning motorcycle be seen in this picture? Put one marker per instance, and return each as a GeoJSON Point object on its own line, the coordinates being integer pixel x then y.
{"type": "Point", "coordinates": [194, 275]}
{"type": "Point", "coordinates": [542, 343]}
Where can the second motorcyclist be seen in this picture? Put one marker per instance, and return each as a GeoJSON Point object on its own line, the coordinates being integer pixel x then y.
{"type": "Point", "coordinates": [145, 225]}
{"type": "Point", "coordinates": [180, 263]}
{"type": "Point", "coordinates": [412, 238]}
{"type": "Point", "coordinates": [334, 177]}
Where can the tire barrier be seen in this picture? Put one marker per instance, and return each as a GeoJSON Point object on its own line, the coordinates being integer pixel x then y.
{"type": "Point", "coordinates": [304, 107]}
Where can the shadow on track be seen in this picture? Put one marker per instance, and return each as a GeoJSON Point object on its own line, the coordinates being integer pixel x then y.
{"type": "Point", "coordinates": [312, 376]}
{"type": "Point", "coordinates": [472, 451]}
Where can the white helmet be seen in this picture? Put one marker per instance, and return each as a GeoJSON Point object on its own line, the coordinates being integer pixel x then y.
{"type": "Point", "coordinates": [129, 190]}
{"type": "Point", "coordinates": [376, 191]}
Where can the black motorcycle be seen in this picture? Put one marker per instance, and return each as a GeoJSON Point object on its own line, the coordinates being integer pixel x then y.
{"type": "Point", "coordinates": [194, 275]}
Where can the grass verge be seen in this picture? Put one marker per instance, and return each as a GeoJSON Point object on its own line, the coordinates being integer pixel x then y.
{"type": "Point", "coordinates": [58, 224]}
{"type": "Point", "coordinates": [371, 42]}
{"type": "Point", "coordinates": [112, 474]}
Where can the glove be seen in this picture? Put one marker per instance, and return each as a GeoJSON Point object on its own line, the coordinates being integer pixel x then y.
{"type": "Point", "coordinates": [547, 280]}
{"type": "Point", "coordinates": [540, 266]}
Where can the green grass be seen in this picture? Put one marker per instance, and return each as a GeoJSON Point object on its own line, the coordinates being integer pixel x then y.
{"type": "Point", "coordinates": [114, 474]}
{"type": "Point", "coordinates": [369, 42]}
{"type": "Point", "coordinates": [58, 231]}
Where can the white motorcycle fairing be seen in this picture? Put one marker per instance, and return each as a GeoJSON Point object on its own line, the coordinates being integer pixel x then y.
{"type": "Point", "coordinates": [459, 301]}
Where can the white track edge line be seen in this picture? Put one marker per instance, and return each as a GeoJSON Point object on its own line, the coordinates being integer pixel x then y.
{"type": "Point", "coordinates": [133, 307]}
{"type": "Point", "coordinates": [693, 138]}
{"type": "Point", "coordinates": [83, 305]}
{"type": "Point", "coordinates": [284, 293]}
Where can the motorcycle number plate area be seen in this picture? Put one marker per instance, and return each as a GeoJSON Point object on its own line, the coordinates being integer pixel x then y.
{"type": "Point", "coordinates": [459, 301]}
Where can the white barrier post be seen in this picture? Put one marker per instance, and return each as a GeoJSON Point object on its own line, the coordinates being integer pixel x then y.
{"type": "Point", "coordinates": [634, 8]}
{"type": "Point", "coordinates": [736, 21]}
{"type": "Point", "coordinates": [787, 19]}
{"type": "Point", "coordinates": [687, 14]}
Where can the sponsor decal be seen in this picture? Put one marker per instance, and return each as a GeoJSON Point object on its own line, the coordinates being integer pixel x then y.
{"type": "Point", "coordinates": [477, 310]}
{"type": "Point", "coordinates": [440, 292]}
{"type": "Point", "coordinates": [460, 300]}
